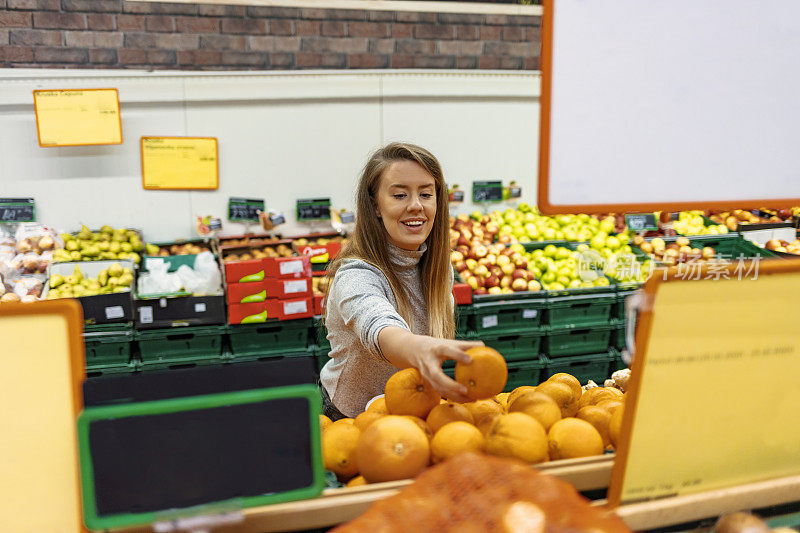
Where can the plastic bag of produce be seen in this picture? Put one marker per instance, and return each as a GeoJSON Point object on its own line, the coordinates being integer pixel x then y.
{"type": "Point", "coordinates": [209, 279]}
{"type": "Point", "coordinates": [157, 280]}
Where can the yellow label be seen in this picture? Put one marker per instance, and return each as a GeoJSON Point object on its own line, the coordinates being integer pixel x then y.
{"type": "Point", "coordinates": [75, 117]}
{"type": "Point", "coordinates": [180, 163]}
{"type": "Point", "coordinates": [719, 397]}
{"type": "Point", "coordinates": [38, 440]}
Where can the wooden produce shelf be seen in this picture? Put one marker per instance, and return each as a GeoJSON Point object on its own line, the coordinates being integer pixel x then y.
{"type": "Point", "coordinates": [336, 506]}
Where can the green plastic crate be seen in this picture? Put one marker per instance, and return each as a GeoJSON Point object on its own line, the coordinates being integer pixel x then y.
{"type": "Point", "coordinates": [513, 346]}
{"type": "Point", "coordinates": [506, 313]}
{"type": "Point", "coordinates": [178, 363]}
{"type": "Point", "coordinates": [463, 317]}
{"type": "Point", "coordinates": [584, 367]}
{"type": "Point", "coordinates": [276, 337]}
{"type": "Point", "coordinates": [318, 334]}
{"type": "Point", "coordinates": [616, 362]}
{"type": "Point", "coordinates": [109, 349]}
{"type": "Point", "coordinates": [524, 373]}
{"type": "Point", "coordinates": [271, 357]}
{"type": "Point", "coordinates": [618, 335]}
{"type": "Point", "coordinates": [189, 344]}
{"type": "Point", "coordinates": [567, 341]}
{"type": "Point", "coordinates": [580, 309]}
{"type": "Point", "coordinates": [618, 311]}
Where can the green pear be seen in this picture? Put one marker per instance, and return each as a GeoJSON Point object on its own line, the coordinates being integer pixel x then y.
{"type": "Point", "coordinates": [71, 245]}
{"type": "Point", "coordinates": [152, 249]}
{"type": "Point", "coordinates": [113, 282]}
{"type": "Point", "coordinates": [120, 235]}
{"type": "Point", "coordinates": [120, 289]}
{"type": "Point", "coordinates": [104, 246]}
{"type": "Point", "coordinates": [128, 271]}
{"type": "Point", "coordinates": [77, 273]}
{"type": "Point", "coordinates": [56, 280]}
{"type": "Point", "coordinates": [79, 291]}
{"type": "Point", "coordinates": [85, 233]}
{"type": "Point", "coordinates": [115, 247]}
{"type": "Point", "coordinates": [102, 277]}
{"type": "Point", "coordinates": [107, 255]}
{"type": "Point", "coordinates": [66, 237]}
{"type": "Point", "coordinates": [106, 229]}
{"type": "Point", "coordinates": [125, 280]}
{"type": "Point", "coordinates": [126, 247]}
{"type": "Point", "coordinates": [135, 257]}
{"type": "Point", "coordinates": [131, 233]}
{"type": "Point", "coordinates": [75, 255]}
{"type": "Point", "coordinates": [115, 270]}
{"type": "Point", "coordinates": [61, 256]}
{"type": "Point", "coordinates": [137, 244]}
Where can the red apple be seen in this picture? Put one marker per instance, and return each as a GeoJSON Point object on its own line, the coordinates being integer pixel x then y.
{"type": "Point", "coordinates": [520, 273]}
{"type": "Point", "coordinates": [485, 219]}
{"type": "Point", "coordinates": [480, 251]}
{"type": "Point", "coordinates": [471, 264]}
{"type": "Point", "coordinates": [481, 271]}
{"type": "Point", "coordinates": [460, 266]}
{"type": "Point", "coordinates": [496, 270]}
{"type": "Point", "coordinates": [495, 290]}
{"type": "Point", "coordinates": [504, 238]}
{"type": "Point", "coordinates": [480, 290]}
{"type": "Point", "coordinates": [492, 228]}
{"type": "Point", "coordinates": [463, 217]}
{"type": "Point", "coordinates": [521, 263]}
{"type": "Point", "coordinates": [463, 249]}
{"type": "Point", "coordinates": [508, 269]}
{"type": "Point", "coordinates": [534, 285]}
{"type": "Point", "coordinates": [492, 259]}
{"type": "Point", "coordinates": [456, 256]}
{"type": "Point", "coordinates": [506, 282]}
{"type": "Point", "coordinates": [491, 281]}
{"type": "Point", "coordinates": [519, 284]}
{"type": "Point", "coordinates": [467, 234]}
{"type": "Point", "coordinates": [461, 241]}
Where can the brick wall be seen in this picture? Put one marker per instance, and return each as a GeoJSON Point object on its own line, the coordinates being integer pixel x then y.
{"type": "Point", "coordinates": [120, 34]}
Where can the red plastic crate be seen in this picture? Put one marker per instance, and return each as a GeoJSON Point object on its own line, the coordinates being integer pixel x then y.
{"type": "Point", "coordinates": [252, 313]}
{"type": "Point", "coordinates": [317, 253]}
{"type": "Point", "coordinates": [462, 293]}
{"type": "Point", "coordinates": [245, 271]}
{"type": "Point", "coordinates": [255, 291]}
{"type": "Point", "coordinates": [287, 267]}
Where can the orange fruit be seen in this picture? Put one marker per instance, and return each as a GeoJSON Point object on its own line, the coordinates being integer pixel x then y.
{"type": "Point", "coordinates": [615, 427]}
{"type": "Point", "coordinates": [538, 405]}
{"type": "Point", "coordinates": [485, 376]}
{"type": "Point", "coordinates": [516, 392]}
{"type": "Point", "coordinates": [408, 393]}
{"type": "Point", "coordinates": [502, 399]}
{"type": "Point", "coordinates": [517, 435]}
{"type": "Point", "coordinates": [345, 421]}
{"type": "Point", "coordinates": [378, 406]}
{"type": "Point", "coordinates": [363, 420]}
{"type": "Point", "coordinates": [599, 418]}
{"type": "Point", "coordinates": [486, 422]}
{"type": "Point", "coordinates": [339, 443]}
{"type": "Point", "coordinates": [481, 408]}
{"type": "Point", "coordinates": [524, 516]}
{"type": "Point", "coordinates": [615, 391]}
{"type": "Point", "coordinates": [570, 381]}
{"type": "Point", "coordinates": [570, 438]}
{"type": "Point", "coordinates": [454, 438]}
{"type": "Point", "coordinates": [422, 425]}
{"type": "Point", "coordinates": [563, 396]}
{"type": "Point", "coordinates": [609, 405]}
{"type": "Point", "coordinates": [596, 395]}
{"type": "Point", "coordinates": [392, 447]}
{"type": "Point", "coordinates": [324, 422]}
{"type": "Point", "coordinates": [447, 412]}
{"type": "Point", "coordinates": [356, 482]}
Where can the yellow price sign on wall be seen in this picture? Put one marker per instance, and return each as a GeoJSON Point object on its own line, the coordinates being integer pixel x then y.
{"type": "Point", "coordinates": [713, 400]}
{"type": "Point", "coordinates": [180, 163]}
{"type": "Point", "coordinates": [77, 117]}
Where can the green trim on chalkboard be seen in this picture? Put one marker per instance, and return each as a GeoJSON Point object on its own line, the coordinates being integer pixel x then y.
{"type": "Point", "coordinates": [310, 392]}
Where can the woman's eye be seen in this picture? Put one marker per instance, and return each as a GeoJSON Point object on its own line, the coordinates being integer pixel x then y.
{"type": "Point", "coordinates": [427, 195]}
{"type": "Point", "coordinates": [399, 196]}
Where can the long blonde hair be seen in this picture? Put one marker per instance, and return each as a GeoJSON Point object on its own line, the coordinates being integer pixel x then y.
{"type": "Point", "coordinates": [369, 239]}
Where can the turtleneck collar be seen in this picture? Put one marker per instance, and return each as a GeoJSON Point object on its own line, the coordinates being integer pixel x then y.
{"type": "Point", "coordinates": [405, 259]}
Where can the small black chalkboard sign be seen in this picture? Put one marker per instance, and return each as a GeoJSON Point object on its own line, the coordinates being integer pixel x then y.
{"type": "Point", "coordinates": [487, 191]}
{"type": "Point", "coordinates": [641, 221]}
{"type": "Point", "coordinates": [309, 209]}
{"type": "Point", "coordinates": [17, 210]}
{"type": "Point", "coordinates": [245, 209]}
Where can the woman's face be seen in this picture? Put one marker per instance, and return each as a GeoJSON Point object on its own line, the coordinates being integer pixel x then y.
{"type": "Point", "coordinates": [406, 203]}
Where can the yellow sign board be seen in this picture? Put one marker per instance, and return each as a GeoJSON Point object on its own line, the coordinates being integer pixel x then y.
{"type": "Point", "coordinates": [714, 398]}
{"type": "Point", "coordinates": [180, 163]}
{"type": "Point", "coordinates": [77, 117]}
{"type": "Point", "coordinates": [41, 371]}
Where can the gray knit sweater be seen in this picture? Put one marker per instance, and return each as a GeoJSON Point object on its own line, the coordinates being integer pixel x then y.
{"type": "Point", "coordinates": [360, 304]}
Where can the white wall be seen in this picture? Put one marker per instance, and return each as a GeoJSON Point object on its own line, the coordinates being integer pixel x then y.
{"type": "Point", "coordinates": [282, 136]}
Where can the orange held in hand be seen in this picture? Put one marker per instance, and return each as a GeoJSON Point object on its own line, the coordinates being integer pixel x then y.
{"type": "Point", "coordinates": [408, 393]}
{"type": "Point", "coordinates": [485, 376]}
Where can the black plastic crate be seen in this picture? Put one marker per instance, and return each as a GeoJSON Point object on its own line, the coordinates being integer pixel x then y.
{"type": "Point", "coordinates": [189, 344]}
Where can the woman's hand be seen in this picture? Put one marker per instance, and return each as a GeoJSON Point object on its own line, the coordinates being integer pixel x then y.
{"type": "Point", "coordinates": [404, 349]}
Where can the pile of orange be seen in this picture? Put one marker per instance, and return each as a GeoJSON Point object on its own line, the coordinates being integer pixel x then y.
{"type": "Point", "coordinates": [411, 427]}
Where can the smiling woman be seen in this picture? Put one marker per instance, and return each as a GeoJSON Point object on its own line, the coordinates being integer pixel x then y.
{"type": "Point", "coordinates": [389, 302]}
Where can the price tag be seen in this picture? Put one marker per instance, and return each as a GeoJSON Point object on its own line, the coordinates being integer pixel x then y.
{"type": "Point", "coordinates": [215, 224]}
{"type": "Point", "coordinates": [77, 117]}
{"type": "Point", "coordinates": [245, 209]}
{"type": "Point", "coordinates": [146, 315]}
{"type": "Point", "coordinates": [115, 311]}
{"type": "Point", "coordinates": [298, 285]}
{"type": "Point", "coordinates": [347, 217]}
{"type": "Point", "coordinates": [277, 219]}
{"type": "Point", "coordinates": [17, 210]}
{"type": "Point", "coordinates": [530, 313]}
{"type": "Point", "coordinates": [641, 221]}
{"type": "Point", "coordinates": [487, 191]}
{"type": "Point", "coordinates": [200, 307]}
{"type": "Point", "coordinates": [489, 321]}
{"type": "Point", "coordinates": [310, 209]}
{"type": "Point", "coordinates": [515, 192]}
{"type": "Point", "coordinates": [290, 267]}
{"type": "Point", "coordinates": [293, 308]}
{"type": "Point", "coordinates": [457, 196]}
{"type": "Point", "coordinates": [180, 163]}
